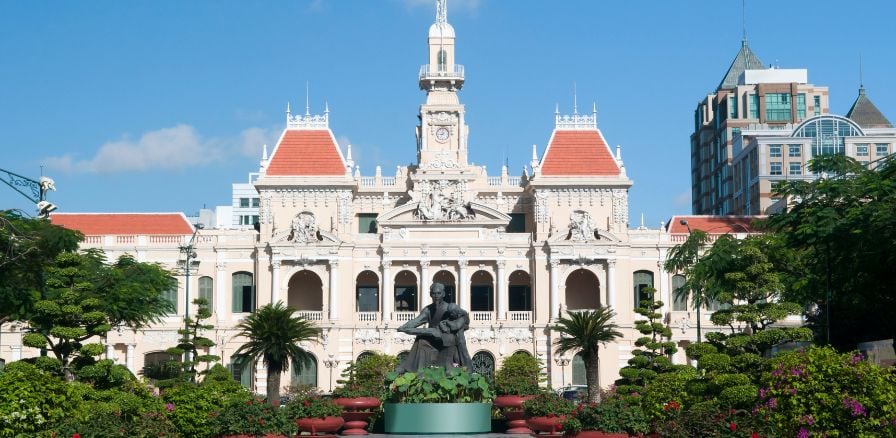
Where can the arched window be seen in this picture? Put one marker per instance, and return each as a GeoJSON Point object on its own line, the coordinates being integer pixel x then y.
{"type": "Point", "coordinates": [679, 297]}
{"type": "Point", "coordinates": [828, 133]}
{"type": "Point", "coordinates": [305, 373]}
{"type": "Point", "coordinates": [482, 292]}
{"type": "Point", "coordinates": [405, 292]}
{"type": "Point", "coordinates": [582, 290]}
{"type": "Point", "coordinates": [206, 291]}
{"type": "Point", "coordinates": [442, 60]}
{"type": "Point", "coordinates": [243, 292]}
{"type": "Point", "coordinates": [170, 295]}
{"type": "Point", "coordinates": [447, 279]}
{"type": "Point", "coordinates": [578, 370]}
{"type": "Point", "coordinates": [643, 286]}
{"type": "Point", "coordinates": [241, 370]}
{"type": "Point", "coordinates": [367, 292]}
{"type": "Point", "coordinates": [520, 292]}
{"type": "Point", "coordinates": [484, 364]}
{"type": "Point", "coordinates": [306, 291]}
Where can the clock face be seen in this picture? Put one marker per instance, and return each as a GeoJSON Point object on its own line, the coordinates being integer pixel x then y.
{"type": "Point", "coordinates": [442, 134]}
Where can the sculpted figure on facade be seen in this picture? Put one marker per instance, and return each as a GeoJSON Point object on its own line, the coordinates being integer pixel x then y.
{"type": "Point", "coordinates": [581, 227]}
{"type": "Point", "coordinates": [438, 206]}
{"type": "Point", "coordinates": [442, 341]}
{"type": "Point", "coordinates": [304, 228]}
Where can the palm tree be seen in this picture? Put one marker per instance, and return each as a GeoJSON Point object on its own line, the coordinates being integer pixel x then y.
{"type": "Point", "coordinates": [585, 331]}
{"type": "Point", "coordinates": [274, 333]}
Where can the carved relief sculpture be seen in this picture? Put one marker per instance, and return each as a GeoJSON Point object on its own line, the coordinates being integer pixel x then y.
{"type": "Point", "coordinates": [581, 227]}
{"type": "Point", "coordinates": [304, 228]}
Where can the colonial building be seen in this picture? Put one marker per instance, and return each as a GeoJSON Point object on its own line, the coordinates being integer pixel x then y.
{"type": "Point", "coordinates": [357, 254]}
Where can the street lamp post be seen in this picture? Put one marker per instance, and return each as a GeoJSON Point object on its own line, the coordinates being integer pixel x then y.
{"type": "Point", "coordinates": [699, 300]}
{"type": "Point", "coordinates": [562, 362]}
{"type": "Point", "coordinates": [189, 263]}
{"type": "Point", "coordinates": [38, 190]}
{"type": "Point", "coordinates": [330, 364]}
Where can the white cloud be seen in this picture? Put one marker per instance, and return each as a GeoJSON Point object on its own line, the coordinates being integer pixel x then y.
{"type": "Point", "coordinates": [173, 148]}
{"type": "Point", "coordinates": [683, 199]}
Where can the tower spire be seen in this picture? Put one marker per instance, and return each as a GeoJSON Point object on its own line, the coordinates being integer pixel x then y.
{"type": "Point", "coordinates": [441, 11]}
{"type": "Point", "coordinates": [575, 99]}
{"type": "Point", "coordinates": [743, 21]}
{"type": "Point", "coordinates": [861, 76]}
{"type": "Point", "coordinates": [307, 106]}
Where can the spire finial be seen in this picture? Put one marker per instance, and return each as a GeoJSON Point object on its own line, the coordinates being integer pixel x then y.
{"type": "Point", "coordinates": [743, 18]}
{"type": "Point", "coordinates": [307, 106]}
{"type": "Point", "coordinates": [348, 154]}
{"type": "Point", "coordinates": [575, 98]}
{"type": "Point", "coordinates": [264, 152]}
{"type": "Point", "coordinates": [326, 107]}
{"type": "Point", "coordinates": [287, 111]}
{"type": "Point", "coordinates": [861, 76]}
{"type": "Point", "coordinates": [594, 112]}
{"type": "Point", "coordinates": [441, 11]}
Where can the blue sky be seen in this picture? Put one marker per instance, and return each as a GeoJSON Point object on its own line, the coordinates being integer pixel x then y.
{"type": "Point", "coordinates": [160, 106]}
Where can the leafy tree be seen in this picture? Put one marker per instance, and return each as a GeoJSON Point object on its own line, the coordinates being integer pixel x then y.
{"type": "Point", "coordinates": [585, 331]}
{"type": "Point", "coordinates": [683, 259]}
{"type": "Point", "coordinates": [519, 374]}
{"type": "Point", "coordinates": [274, 332]}
{"type": "Point", "coordinates": [844, 227]}
{"type": "Point", "coordinates": [651, 357]}
{"type": "Point", "coordinates": [26, 247]}
{"type": "Point", "coordinates": [133, 292]}
{"type": "Point", "coordinates": [192, 341]}
{"type": "Point", "coordinates": [366, 376]}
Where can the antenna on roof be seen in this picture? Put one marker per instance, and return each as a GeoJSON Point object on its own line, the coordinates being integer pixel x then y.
{"type": "Point", "coordinates": [743, 18]}
{"type": "Point", "coordinates": [307, 107]}
{"type": "Point", "coordinates": [575, 105]}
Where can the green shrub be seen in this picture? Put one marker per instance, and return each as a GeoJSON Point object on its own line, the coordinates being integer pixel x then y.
{"type": "Point", "coordinates": [548, 404]}
{"type": "Point", "coordinates": [366, 377]}
{"type": "Point", "coordinates": [32, 400]}
{"type": "Point", "coordinates": [612, 416]}
{"type": "Point", "coordinates": [714, 362]}
{"type": "Point", "coordinates": [192, 405]}
{"type": "Point", "coordinates": [252, 417]}
{"type": "Point", "coordinates": [437, 385]}
{"type": "Point", "coordinates": [738, 396]}
{"type": "Point", "coordinates": [665, 389]}
{"type": "Point", "coordinates": [105, 374]}
{"type": "Point", "coordinates": [821, 392]}
{"type": "Point", "coordinates": [696, 351]}
{"type": "Point", "coordinates": [520, 374]}
{"type": "Point", "coordinates": [313, 406]}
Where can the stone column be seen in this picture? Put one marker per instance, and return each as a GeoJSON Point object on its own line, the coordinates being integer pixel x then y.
{"type": "Point", "coordinates": [129, 358]}
{"type": "Point", "coordinates": [110, 352]}
{"type": "Point", "coordinates": [501, 290]}
{"type": "Point", "coordinates": [425, 281]}
{"type": "Point", "coordinates": [555, 293]}
{"type": "Point", "coordinates": [275, 281]}
{"type": "Point", "coordinates": [334, 290]}
{"type": "Point", "coordinates": [611, 283]}
{"type": "Point", "coordinates": [664, 285]}
{"type": "Point", "coordinates": [388, 293]}
{"type": "Point", "coordinates": [463, 285]}
{"type": "Point", "coordinates": [220, 290]}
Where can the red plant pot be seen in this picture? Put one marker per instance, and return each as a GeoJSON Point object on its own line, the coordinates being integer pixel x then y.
{"type": "Point", "coordinates": [242, 435]}
{"type": "Point", "coordinates": [547, 426]}
{"type": "Point", "coordinates": [320, 426]}
{"type": "Point", "coordinates": [598, 434]}
{"type": "Point", "coordinates": [357, 413]}
{"type": "Point", "coordinates": [512, 407]}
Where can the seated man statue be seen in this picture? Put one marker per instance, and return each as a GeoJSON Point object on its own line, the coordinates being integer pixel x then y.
{"type": "Point", "coordinates": [442, 342]}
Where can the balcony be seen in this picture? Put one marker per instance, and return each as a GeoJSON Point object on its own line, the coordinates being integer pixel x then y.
{"type": "Point", "coordinates": [524, 316]}
{"type": "Point", "coordinates": [404, 316]}
{"type": "Point", "coordinates": [482, 316]}
{"type": "Point", "coordinates": [367, 316]}
{"type": "Point", "coordinates": [441, 72]}
{"type": "Point", "coordinates": [311, 315]}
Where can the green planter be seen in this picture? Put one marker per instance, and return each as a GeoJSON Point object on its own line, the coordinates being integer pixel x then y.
{"type": "Point", "coordinates": [433, 418]}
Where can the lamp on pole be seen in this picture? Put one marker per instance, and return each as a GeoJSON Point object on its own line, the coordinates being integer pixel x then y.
{"type": "Point", "coordinates": [38, 190]}
{"type": "Point", "coordinates": [331, 363]}
{"type": "Point", "coordinates": [562, 362]}
{"type": "Point", "coordinates": [699, 300]}
{"type": "Point", "coordinates": [189, 263]}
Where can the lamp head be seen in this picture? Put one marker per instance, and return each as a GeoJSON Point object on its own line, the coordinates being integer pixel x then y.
{"type": "Point", "coordinates": [44, 208]}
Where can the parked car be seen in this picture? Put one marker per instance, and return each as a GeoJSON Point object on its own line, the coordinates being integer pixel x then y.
{"type": "Point", "coordinates": [573, 392]}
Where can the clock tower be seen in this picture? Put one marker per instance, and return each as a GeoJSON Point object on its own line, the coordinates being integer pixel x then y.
{"type": "Point", "coordinates": [442, 133]}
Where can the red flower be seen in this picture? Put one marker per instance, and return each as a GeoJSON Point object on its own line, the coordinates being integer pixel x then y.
{"type": "Point", "coordinates": [307, 403]}
{"type": "Point", "coordinates": [754, 435]}
{"type": "Point", "coordinates": [77, 435]}
{"type": "Point", "coordinates": [732, 426]}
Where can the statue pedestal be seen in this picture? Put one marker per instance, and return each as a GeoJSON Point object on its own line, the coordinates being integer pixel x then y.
{"type": "Point", "coordinates": [436, 418]}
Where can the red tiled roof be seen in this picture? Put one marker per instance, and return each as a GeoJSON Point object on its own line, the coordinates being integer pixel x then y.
{"type": "Point", "coordinates": [578, 153]}
{"type": "Point", "coordinates": [306, 152]}
{"type": "Point", "coordinates": [98, 224]}
{"type": "Point", "coordinates": [713, 224]}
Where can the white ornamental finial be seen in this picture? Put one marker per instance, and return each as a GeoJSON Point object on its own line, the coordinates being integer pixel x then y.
{"type": "Point", "coordinates": [264, 152]}
{"type": "Point", "coordinates": [441, 11]}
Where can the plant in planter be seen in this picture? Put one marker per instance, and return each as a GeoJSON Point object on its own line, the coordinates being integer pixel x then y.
{"type": "Point", "coordinates": [546, 412]}
{"type": "Point", "coordinates": [614, 418]}
{"type": "Point", "coordinates": [315, 414]}
{"type": "Point", "coordinates": [516, 381]}
{"type": "Point", "coordinates": [251, 418]}
{"type": "Point", "coordinates": [432, 399]}
{"type": "Point", "coordinates": [362, 389]}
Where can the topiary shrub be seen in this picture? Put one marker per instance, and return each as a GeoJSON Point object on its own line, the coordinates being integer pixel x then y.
{"type": "Point", "coordinates": [366, 376]}
{"type": "Point", "coordinates": [191, 406]}
{"type": "Point", "coordinates": [519, 374]}
{"type": "Point", "coordinates": [696, 351]}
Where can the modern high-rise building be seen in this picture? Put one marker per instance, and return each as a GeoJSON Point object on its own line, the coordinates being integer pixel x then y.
{"type": "Point", "coordinates": [748, 95]}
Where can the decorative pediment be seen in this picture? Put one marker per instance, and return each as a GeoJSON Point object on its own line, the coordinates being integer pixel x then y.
{"type": "Point", "coordinates": [572, 236]}
{"type": "Point", "coordinates": [303, 230]}
{"type": "Point", "coordinates": [472, 214]}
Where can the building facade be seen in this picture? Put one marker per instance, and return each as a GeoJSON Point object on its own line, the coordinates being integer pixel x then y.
{"type": "Point", "coordinates": [357, 254]}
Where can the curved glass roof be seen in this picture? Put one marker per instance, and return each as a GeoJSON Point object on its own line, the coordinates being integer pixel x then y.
{"type": "Point", "coordinates": [828, 133]}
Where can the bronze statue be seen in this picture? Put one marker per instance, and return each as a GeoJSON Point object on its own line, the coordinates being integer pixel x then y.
{"type": "Point", "coordinates": [442, 342]}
